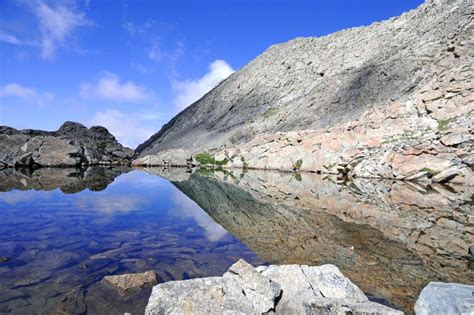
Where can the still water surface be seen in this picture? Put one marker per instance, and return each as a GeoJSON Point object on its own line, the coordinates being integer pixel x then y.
{"type": "Point", "coordinates": [63, 230]}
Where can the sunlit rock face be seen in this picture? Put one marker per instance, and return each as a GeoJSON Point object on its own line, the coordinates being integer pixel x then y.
{"type": "Point", "coordinates": [390, 100]}
{"type": "Point", "coordinates": [390, 238]}
{"type": "Point", "coordinates": [68, 180]}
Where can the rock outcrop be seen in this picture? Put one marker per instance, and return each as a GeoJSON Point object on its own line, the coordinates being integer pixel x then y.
{"type": "Point", "coordinates": [390, 238]}
{"type": "Point", "coordinates": [390, 100]}
{"type": "Point", "coordinates": [71, 145]}
{"type": "Point", "coordinates": [290, 289]}
{"type": "Point", "coordinates": [445, 298]}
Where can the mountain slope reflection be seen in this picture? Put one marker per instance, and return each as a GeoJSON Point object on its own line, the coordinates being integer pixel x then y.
{"type": "Point", "coordinates": [390, 238]}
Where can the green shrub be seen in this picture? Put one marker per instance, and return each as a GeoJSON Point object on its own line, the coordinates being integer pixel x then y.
{"type": "Point", "coordinates": [297, 165]}
{"type": "Point", "coordinates": [298, 177]}
{"type": "Point", "coordinates": [206, 158]}
{"type": "Point", "coordinates": [444, 123]}
{"type": "Point", "coordinates": [429, 171]}
{"type": "Point", "coordinates": [270, 112]}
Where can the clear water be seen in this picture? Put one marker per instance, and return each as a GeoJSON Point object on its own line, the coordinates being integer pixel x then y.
{"type": "Point", "coordinates": [64, 230]}
{"type": "Point", "coordinates": [62, 244]}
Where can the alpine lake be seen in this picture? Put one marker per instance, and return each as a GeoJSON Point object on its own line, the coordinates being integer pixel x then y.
{"type": "Point", "coordinates": [62, 230]}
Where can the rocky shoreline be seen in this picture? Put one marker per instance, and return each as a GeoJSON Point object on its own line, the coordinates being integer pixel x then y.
{"type": "Point", "coordinates": [281, 289]}
{"type": "Point", "coordinates": [429, 138]}
{"type": "Point", "coordinates": [243, 289]}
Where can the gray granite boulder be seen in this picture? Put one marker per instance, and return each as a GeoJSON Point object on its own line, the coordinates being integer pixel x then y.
{"type": "Point", "coordinates": [290, 289]}
{"type": "Point", "coordinates": [445, 298]}
{"type": "Point", "coordinates": [241, 290]}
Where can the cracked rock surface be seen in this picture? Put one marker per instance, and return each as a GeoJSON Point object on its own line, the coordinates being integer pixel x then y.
{"type": "Point", "coordinates": [243, 289]}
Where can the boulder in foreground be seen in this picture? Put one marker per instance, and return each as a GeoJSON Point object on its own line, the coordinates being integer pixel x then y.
{"type": "Point", "coordinates": [243, 289]}
{"type": "Point", "coordinates": [445, 298]}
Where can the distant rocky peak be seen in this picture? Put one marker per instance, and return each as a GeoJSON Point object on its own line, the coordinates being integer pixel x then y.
{"type": "Point", "coordinates": [71, 126]}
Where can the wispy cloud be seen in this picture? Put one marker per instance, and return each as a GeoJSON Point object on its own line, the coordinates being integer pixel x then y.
{"type": "Point", "coordinates": [156, 53]}
{"type": "Point", "coordinates": [129, 129]}
{"type": "Point", "coordinates": [109, 87]}
{"type": "Point", "coordinates": [15, 90]}
{"type": "Point", "coordinates": [10, 39]}
{"type": "Point", "coordinates": [188, 91]}
{"type": "Point", "coordinates": [56, 23]}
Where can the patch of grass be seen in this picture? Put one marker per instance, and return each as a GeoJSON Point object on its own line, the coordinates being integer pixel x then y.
{"type": "Point", "coordinates": [429, 171]}
{"type": "Point", "coordinates": [245, 164]}
{"type": "Point", "coordinates": [444, 123]}
{"type": "Point", "coordinates": [297, 177]}
{"type": "Point", "coordinates": [270, 112]}
{"type": "Point", "coordinates": [406, 135]}
{"type": "Point", "coordinates": [203, 171]}
{"type": "Point", "coordinates": [297, 165]}
{"type": "Point", "coordinates": [206, 158]}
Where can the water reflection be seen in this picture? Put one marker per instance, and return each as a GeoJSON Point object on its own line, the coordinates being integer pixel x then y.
{"type": "Point", "coordinates": [61, 244]}
{"type": "Point", "coordinates": [186, 207]}
{"type": "Point", "coordinates": [63, 230]}
{"type": "Point", "coordinates": [390, 238]}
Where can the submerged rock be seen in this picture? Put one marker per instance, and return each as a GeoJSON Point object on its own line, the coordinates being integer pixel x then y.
{"type": "Point", "coordinates": [130, 283]}
{"type": "Point", "coordinates": [291, 289]}
{"type": "Point", "coordinates": [445, 298]}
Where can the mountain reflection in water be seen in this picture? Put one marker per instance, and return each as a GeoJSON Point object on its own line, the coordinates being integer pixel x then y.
{"type": "Point", "coordinates": [389, 238]}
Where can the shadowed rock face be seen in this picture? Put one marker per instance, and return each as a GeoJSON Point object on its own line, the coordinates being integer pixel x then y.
{"type": "Point", "coordinates": [68, 180]}
{"type": "Point", "coordinates": [71, 145]}
{"type": "Point", "coordinates": [320, 83]}
{"type": "Point", "coordinates": [390, 238]}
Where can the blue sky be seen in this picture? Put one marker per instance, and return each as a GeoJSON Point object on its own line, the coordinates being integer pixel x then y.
{"type": "Point", "coordinates": [132, 65]}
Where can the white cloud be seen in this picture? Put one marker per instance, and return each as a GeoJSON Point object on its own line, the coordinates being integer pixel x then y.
{"type": "Point", "coordinates": [56, 23]}
{"type": "Point", "coordinates": [10, 39]}
{"type": "Point", "coordinates": [14, 90]}
{"type": "Point", "coordinates": [110, 204]}
{"type": "Point", "coordinates": [109, 87]}
{"type": "Point", "coordinates": [128, 129]}
{"type": "Point", "coordinates": [184, 206]}
{"type": "Point", "coordinates": [156, 53]}
{"type": "Point", "coordinates": [188, 91]}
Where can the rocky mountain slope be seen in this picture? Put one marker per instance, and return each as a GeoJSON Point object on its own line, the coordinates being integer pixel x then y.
{"type": "Point", "coordinates": [362, 102]}
{"type": "Point", "coordinates": [71, 145]}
